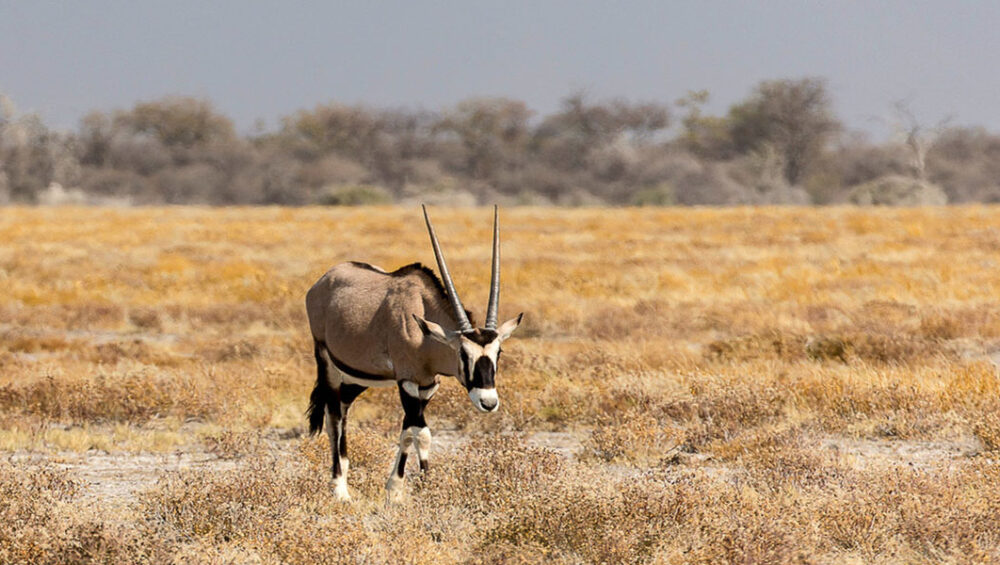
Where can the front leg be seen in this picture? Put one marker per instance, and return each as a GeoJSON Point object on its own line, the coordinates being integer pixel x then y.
{"type": "Point", "coordinates": [415, 432]}
{"type": "Point", "coordinates": [422, 436]}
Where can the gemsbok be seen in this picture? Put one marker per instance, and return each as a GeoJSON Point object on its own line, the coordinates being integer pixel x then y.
{"type": "Point", "coordinates": [406, 329]}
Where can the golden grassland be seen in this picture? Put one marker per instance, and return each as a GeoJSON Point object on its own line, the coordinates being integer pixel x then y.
{"type": "Point", "coordinates": [689, 386]}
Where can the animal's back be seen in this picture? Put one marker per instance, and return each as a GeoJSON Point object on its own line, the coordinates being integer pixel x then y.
{"type": "Point", "coordinates": [343, 308]}
{"type": "Point", "coordinates": [357, 310]}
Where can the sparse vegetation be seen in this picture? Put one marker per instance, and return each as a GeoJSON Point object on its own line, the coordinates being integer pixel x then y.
{"type": "Point", "coordinates": [689, 386]}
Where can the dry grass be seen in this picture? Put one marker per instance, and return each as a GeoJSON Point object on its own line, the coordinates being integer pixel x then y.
{"type": "Point", "coordinates": [751, 385]}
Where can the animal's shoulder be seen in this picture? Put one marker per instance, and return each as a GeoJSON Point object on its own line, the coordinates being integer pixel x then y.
{"type": "Point", "coordinates": [421, 272]}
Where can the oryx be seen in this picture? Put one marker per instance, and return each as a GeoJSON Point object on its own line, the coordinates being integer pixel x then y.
{"type": "Point", "coordinates": [405, 329]}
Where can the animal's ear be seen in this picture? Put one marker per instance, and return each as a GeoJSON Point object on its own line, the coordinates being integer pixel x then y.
{"type": "Point", "coordinates": [436, 332]}
{"type": "Point", "coordinates": [509, 326]}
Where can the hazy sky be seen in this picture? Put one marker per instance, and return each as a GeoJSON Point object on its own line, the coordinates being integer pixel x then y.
{"type": "Point", "coordinates": [268, 59]}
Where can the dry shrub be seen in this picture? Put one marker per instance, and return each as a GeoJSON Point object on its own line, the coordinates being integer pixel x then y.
{"type": "Point", "coordinates": [940, 326]}
{"type": "Point", "coordinates": [233, 444]}
{"type": "Point", "coordinates": [731, 407]}
{"type": "Point", "coordinates": [891, 349]}
{"type": "Point", "coordinates": [94, 541]}
{"type": "Point", "coordinates": [489, 473]}
{"type": "Point", "coordinates": [39, 524]}
{"type": "Point", "coordinates": [133, 351]}
{"type": "Point", "coordinates": [145, 318]}
{"type": "Point", "coordinates": [844, 347]}
{"type": "Point", "coordinates": [238, 350]}
{"type": "Point", "coordinates": [987, 429]}
{"type": "Point", "coordinates": [736, 525]}
{"type": "Point", "coordinates": [713, 408]}
{"type": "Point", "coordinates": [90, 315]}
{"type": "Point", "coordinates": [634, 437]}
{"type": "Point", "coordinates": [332, 540]}
{"type": "Point", "coordinates": [948, 514]}
{"type": "Point", "coordinates": [539, 505]}
{"type": "Point", "coordinates": [285, 512]}
{"type": "Point", "coordinates": [235, 504]}
{"type": "Point", "coordinates": [823, 348]}
{"type": "Point", "coordinates": [129, 396]}
{"type": "Point", "coordinates": [561, 403]}
{"type": "Point", "coordinates": [645, 318]}
{"type": "Point", "coordinates": [891, 409]}
{"type": "Point", "coordinates": [885, 316]}
{"type": "Point", "coordinates": [28, 496]}
{"type": "Point", "coordinates": [583, 517]}
{"type": "Point", "coordinates": [228, 315]}
{"type": "Point", "coordinates": [777, 458]}
{"type": "Point", "coordinates": [32, 344]}
{"type": "Point", "coordinates": [769, 345]}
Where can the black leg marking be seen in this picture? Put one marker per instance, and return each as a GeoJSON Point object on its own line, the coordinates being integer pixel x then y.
{"type": "Point", "coordinates": [413, 417]}
{"type": "Point", "coordinates": [348, 394]}
{"type": "Point", "coordinates": [334, 430]}
{"type": "Point", "coordinates": [413, 410]}
{"type": "Point", "coordinates": [401, 468]}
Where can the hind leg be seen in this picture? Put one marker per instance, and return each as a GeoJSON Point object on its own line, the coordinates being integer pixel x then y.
{"type": "Point", "coordinates": [348, 394]}
{"type": "Point", "coordinates": [334, 431]}
{"type": "Point", "coordinates": [329, 375]}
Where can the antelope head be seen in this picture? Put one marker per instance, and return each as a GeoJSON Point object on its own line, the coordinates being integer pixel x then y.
{"type": "Point", "coordinates": [477, 350]}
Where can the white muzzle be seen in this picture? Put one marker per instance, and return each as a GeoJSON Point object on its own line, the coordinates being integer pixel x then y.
{"type": "Point", "coordinates": [484, 399]}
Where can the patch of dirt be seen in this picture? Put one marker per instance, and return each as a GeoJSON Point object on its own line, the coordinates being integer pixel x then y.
{"type": "Point", "coordinates": [865, 453]}
{"type": "Point", "coordinates": [567, 444]}
{"type": "Point", "coordinates": [114, 479]}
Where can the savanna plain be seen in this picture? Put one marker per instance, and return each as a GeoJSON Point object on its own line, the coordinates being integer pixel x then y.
{"type": "Point", "coordinates": [748, 385]}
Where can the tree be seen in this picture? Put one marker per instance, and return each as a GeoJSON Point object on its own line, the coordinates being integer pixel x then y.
{"type": "Point", "coordinates": [793, 116]}
{"type": "Point", "coordinates": [28, 154]}
{"type": "Point", "coordinates": [568, 138]}
{"type": "Point", "coordinates": [178, 121]}
{"type": "Point", "coordinates": [918, 138]}
{"type": "Point", "coordinates": [966, 163]}
{"type": "Point", "coordinates": [705, 136]}
{"type": "Point", "coordinates": [349, 131]}
{"type": "Point", "coordinates": [494, 133]}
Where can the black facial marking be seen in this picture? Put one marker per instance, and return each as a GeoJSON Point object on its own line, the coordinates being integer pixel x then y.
{"type": "Point", "coordinates": [481, 337]}
{"type": "Point", "coordinates": [466, 368]}
{"type": "Point", "coordinates": [483, 376]}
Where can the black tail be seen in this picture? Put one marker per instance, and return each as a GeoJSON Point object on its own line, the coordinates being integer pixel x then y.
{"type": "Point", "coordinates": [321, 394]}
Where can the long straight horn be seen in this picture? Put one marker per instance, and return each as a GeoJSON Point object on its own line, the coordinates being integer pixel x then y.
{"type": "Point", "coordinates": [463, 320]}
{"type": "Point", "coordinates": [491, 309]}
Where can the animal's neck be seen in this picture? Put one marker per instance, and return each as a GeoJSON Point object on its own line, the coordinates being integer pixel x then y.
{"type": "Point", "coordinates": [441, 357]}
{"type": "Point", "coordinates": [441, 313]}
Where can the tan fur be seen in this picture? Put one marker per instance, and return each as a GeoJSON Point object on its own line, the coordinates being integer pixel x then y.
{"type": "Point", "coordinates": [365, 318]}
